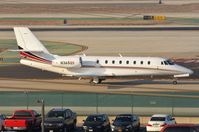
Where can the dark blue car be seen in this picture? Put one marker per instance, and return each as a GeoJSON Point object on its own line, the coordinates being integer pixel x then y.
{"type": "Point", "coordinates": [126, 123]}
{"type": "Point", "coordinates": [97, 123]}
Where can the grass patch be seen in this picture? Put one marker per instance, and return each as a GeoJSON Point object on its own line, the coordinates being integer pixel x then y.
{"type": "Point", "coordinates": [184, 20]}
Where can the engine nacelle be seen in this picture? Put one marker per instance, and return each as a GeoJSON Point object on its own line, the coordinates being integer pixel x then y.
{"type": "Point", "coordinates": [67, 62]}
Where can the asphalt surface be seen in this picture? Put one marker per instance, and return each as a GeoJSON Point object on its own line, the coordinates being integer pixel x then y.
{"type": "Point", "coordinates": [79, 129]}
{"type": "Point", "coordinates": [142, 129]}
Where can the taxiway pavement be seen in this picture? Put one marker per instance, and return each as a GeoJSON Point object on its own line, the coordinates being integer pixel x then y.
{"type": "Point", "coordinates": [171, 44]}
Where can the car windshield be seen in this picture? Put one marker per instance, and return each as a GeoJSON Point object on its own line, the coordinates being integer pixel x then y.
{"type": "Point", "coordinates": [158, 119]}
{"type": "Point", "coordinates": [123, 119]}
{"type": "Point", "coordinates": [95, 119]}
{"type": "Point", "coordinates": [22, 114]}
{"type": "Point", "coordinates": [57, 114]}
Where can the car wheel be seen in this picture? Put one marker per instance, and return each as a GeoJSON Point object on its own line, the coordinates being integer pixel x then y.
{"type": "Point", "coordinates": [132, 130]}
{"type": "Point", "coordinates": [138, 128]}
{"type": "Point", "coordinates": [109, 129]}
{"type": "Point", "coordinates": [74, 126]}
{"type": "Point", "coordinates": [29, 130]}
{"type": "Point", "coordinates": [64, 129]}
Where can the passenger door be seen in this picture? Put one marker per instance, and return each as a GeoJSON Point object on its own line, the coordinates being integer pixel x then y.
{"type": "Point", "coordinates": [38, 119]}
{"type": "Point", "coordinates": [107, 122]}
{"type": "Point", "coordinates": [1, 121]}
{"type": "Point", "coordinates": [69, 118]}
{"type": "Point", "coordinates": [170, 120]}
{"type": "Point", "coordinates": [135, 121]}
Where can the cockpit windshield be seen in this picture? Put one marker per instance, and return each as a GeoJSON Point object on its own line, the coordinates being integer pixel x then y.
{"type": "Point", "coordinates": [167, 62]}
{"type": "Point", "coordinates": [170, 62]}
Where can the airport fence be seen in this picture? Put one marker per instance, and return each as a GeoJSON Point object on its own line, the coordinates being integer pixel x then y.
{"type": "Point", "coordinates": [112, 104]}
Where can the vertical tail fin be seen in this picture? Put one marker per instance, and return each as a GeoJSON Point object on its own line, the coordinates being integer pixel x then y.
{"type": "Point", "coordinates": [30, 47]}
{"type": "Point", "coordinates": [26, 40]}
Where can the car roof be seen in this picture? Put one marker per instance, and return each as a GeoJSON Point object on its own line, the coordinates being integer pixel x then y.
{"type": "Point", "coordinates": [97, 115]}
{"type": "Point", "coordinates": [59, 109]}
{"type": "Point", "coordinates": [125, 115]}
{"type": "Point", "coordinates": [160, 115]}
{"type": "Point", "coordinates": [24, 110]}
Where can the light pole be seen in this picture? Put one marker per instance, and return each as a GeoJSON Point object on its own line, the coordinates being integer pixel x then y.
{"type": "Point", "coordinates": [97, 103]}
{"type": "Point", "coordinates": [27, 99]}
{"type": "Point", "coordinates": [42, 113]}
{"type": "Point", "coordinates": [62, 100]}
{"type": "Point", "coordinates": [132, 103]}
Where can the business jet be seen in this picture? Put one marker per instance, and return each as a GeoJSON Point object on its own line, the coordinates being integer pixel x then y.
{"type": "Point", "coordinates": [98, 68]}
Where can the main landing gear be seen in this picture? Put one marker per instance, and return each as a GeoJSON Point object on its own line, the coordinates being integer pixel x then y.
{"type": "Point", "coordinates": [96, 80]}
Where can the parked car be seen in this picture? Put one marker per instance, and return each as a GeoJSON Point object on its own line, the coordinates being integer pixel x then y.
{"type": "Point", "coordinates": [126, 123]}
{"type": "Point", "coordinates": [60, 120]}
{"type": "Point", "coordinates": [181, 128]}
{"type": "Point", "coordinates": [158, 121]}
{"type": "Point", "coordinates": [2, 119]}
{"type": "Point", "coordinates": [97, 123]}
{"type": "Point", "coordinates": [28, 120]}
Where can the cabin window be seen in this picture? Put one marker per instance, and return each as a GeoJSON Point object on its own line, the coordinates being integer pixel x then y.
{"type": "Point", "coordinates": [106, 61]}
{"type": "Point", "coordinates": [127, 62]}
{"type": "Point", "coordinates": [97, 61]}
{"type": "Point", "coordinates": [120, 62]}
{"type": "Point", "coordinates": [113, 62]}
{"type": "Point", "coordinates": [134, 62]}
{"type": "Point", "coordinates": [149, 62]}
{"type": "Point", "coordinates": [162, 63]}
{"type": "Point", "coordinates": [141, 62]}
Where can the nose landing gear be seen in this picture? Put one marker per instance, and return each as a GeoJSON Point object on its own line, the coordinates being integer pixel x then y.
{"type": "Point", "coordinates": [175, 82]}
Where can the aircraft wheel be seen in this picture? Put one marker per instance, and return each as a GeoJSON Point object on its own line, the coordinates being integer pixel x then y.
{"type": "Point", "coordinates": [100, 81]}
{"type": "Point", "coordinates": [92, 82]}
{"type": "Point", "coordinates": [95, 81]}
{"type": "Point", "coordinates": [175, 82]}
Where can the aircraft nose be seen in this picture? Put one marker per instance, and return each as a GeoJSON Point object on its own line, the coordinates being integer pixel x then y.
{"type": "Point", "coordinates": [187, 71]}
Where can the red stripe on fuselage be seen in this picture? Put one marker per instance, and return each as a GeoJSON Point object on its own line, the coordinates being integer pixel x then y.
{"type": "Point", "coordinates": [34, 58]}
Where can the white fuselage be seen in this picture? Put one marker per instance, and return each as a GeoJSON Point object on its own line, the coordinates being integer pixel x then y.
{"type": "Point", "coordinates": [97, 66]}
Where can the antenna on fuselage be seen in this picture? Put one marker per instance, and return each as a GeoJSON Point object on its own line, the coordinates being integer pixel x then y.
{"type": "Point", "coordinates": [120, 55]}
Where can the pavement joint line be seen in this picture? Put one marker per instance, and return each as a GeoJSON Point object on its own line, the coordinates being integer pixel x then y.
{"type": "Point", "coordinates": [109, 28]}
